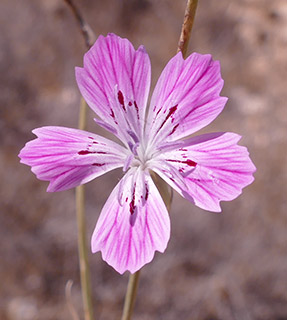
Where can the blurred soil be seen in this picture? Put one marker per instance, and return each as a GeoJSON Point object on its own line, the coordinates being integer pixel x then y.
{"type": "Point", "coordinates": [217, 266]}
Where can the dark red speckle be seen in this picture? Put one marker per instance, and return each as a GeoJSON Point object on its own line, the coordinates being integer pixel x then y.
{"type": "Point", "coordinates": [188, 162]}
{"type": "Point", "coordinates": [85, 152]}
{"type": "Point", "coordinates": [170, 113]}
{"type": "Point", "coordinates": [132, 205]}
{"type": "Point", "coordinates": [172, 110]}
{"type": "Point", "coordinates": [130, 103]}
{"type": "Point", "coordinates": [174, 128]}
{"type": "Point", "coordinates": [137, 109]}
{"type": "Point", "coordinates": [98, 164]}
{"type": "Point", "coordinates": [146, 192]}
{"type": "Point", "coordinates": [121, 100]}
{"type": "Point", "coordinates": [112, 114]}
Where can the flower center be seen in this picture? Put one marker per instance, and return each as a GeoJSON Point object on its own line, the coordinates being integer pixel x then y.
{"type": "Point", "coordinates": [138, 156]}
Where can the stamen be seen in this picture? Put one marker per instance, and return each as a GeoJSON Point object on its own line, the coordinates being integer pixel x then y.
{"type": "Point", "coordinates": [128, 162]}
{"type": "Point", "coordinates": [135, 147]}
{"type": "Point", "coordinates": [133, 135]}
{"type": "Point", "coordinates": [106, 126]}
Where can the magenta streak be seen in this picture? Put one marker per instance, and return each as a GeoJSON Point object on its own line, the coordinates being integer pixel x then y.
{"type": "Point", "coordinates": [121, 100]}
{"type": "Point", "coordinates": [170, 113]}
{"type": "Point", "coordinates": [188, 162]}
{"type": "Point", "coordinates": [84, 152]}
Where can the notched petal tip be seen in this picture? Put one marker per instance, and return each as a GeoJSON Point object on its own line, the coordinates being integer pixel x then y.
{"type": "Point", "coordinates": [142, 49]}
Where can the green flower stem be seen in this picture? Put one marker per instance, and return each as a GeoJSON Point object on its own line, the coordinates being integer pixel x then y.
{"type": "Point", "coordinates": [187, 26]}
{"type": "Point", "coordinates": [131, 295]}
{"type": "Point", "coordinates": [82, 242]}
{"type": "Point", "coordinates": [164, 189]}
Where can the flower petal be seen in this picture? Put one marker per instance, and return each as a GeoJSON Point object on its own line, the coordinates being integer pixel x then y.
{"type": "Point", "coordinates": [128, 234]}
{"type": "Point", "coordinates": [186, 97]}
{"type": "Point", "coordinates": [115, 82]}
{"type": "Point", "coordinates": [213, 168]}
{"type": "Point", "coordinates": [70, 157]}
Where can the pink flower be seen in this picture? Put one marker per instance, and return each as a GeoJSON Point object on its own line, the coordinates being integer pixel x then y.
{"type": "Point", "coordinates": [206, 169]}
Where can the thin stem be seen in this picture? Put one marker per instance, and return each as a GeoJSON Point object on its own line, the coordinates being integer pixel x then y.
{"type": "Point", "coordinates": [131, 296]}
{"type": "Point", "coordinates": [187, 26]}
{"type": "Point", "coordinates": [82, 242]}
{"type": "Point", "coordinates": [80, 191]}
{"type": "Point", "coordinates": [86, 30]}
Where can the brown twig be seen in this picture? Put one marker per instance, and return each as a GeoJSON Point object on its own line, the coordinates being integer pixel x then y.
{"type": "Point", "coordinates": [86, 30]}
{"type": "Point", "coordinates": [187, 26]}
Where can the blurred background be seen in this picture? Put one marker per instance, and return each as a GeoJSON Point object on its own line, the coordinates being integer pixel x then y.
{"type": "Point", "coordinates": [217, 266]}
